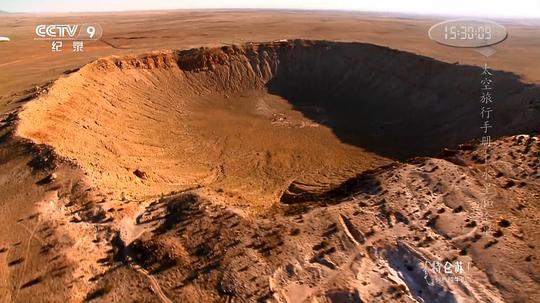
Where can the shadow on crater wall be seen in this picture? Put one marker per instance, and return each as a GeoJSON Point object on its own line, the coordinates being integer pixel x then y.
{"type": "Point", "coordinates": [397, 104]}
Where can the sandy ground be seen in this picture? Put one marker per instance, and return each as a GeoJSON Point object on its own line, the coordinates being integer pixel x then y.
{"type": "Point", "coordinates": [230, 174]}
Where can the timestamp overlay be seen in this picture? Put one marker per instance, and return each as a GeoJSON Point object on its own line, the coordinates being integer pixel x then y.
{"type": "Point", "coordinates": [468, 33]}
{"type": "Point", "coordinates": [481, 36]}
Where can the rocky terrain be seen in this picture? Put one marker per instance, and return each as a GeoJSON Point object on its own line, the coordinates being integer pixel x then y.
{"type": "Point", "coordinates": [298, 171]}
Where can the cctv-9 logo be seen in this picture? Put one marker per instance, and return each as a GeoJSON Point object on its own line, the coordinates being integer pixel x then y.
{"type": "Point", "coordinates": [86, 31]}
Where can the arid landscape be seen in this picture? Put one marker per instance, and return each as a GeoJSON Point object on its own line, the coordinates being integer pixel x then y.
{"type": "Point", "coordinates": [266, 156]}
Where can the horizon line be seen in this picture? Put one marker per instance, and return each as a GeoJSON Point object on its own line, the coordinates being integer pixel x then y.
{"type": "Point", "coordinates": [392, 13]}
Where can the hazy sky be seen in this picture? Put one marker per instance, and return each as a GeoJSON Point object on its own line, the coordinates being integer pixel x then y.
{"type": "Point", "coordinates": [487, 8]}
